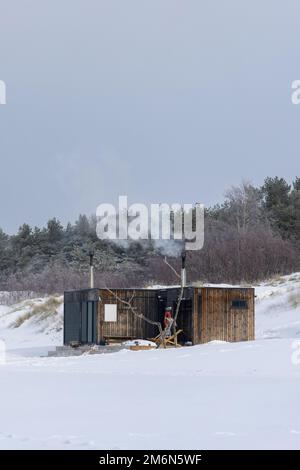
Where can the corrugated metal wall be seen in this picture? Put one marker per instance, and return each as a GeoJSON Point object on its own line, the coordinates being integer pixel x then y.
{"type": "Point", "coordinates": [72, 321]}
{"type": "Point", "coordinates": [81, 316]}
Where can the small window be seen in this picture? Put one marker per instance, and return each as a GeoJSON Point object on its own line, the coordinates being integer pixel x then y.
{"type": "Point", "coordinates": [241, 304]}
{"type": "Point", "coordinates": [110, 312]}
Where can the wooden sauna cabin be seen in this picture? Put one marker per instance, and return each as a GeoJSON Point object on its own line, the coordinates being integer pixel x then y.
{"type": "Point", "coordinates": [95, 316]}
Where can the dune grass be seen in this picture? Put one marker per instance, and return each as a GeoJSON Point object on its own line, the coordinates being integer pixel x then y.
{"type": "Point", "coordinates": [39, 311]}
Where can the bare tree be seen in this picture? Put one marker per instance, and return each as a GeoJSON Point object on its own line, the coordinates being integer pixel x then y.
{"type": "Point", "coordinates": [162, 332]}
{"type": "Point", "coordinates": [130, 306]}
{"type": "Point", "coordinates": [174, 324]}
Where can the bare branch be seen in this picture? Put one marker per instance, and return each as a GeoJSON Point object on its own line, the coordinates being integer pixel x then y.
{"type": "Point", "coordinates": [132, 309]}
{"type": "Point", "coordinates": [171, 267]}
{"type": "Point", "coordinates": [163, 337]}
{"type": "Point", "coordinates": [162, 333]}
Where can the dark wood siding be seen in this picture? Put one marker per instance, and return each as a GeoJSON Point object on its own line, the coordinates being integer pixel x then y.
{"type": "Point", "coordinates": [169, 298]}
{"type": "Point", "coordinates": [127, 324]}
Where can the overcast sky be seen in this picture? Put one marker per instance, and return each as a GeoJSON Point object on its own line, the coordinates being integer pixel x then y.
{"type": "Point", "coordinates": [161, 100]}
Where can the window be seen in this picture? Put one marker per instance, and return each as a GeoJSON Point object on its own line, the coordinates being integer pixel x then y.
{"type": "Point", "coordinates": [241, 304]}
{"type": "Point", "coordinates": [110, 312]}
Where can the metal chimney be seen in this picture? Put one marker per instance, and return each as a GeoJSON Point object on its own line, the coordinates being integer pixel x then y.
{"type": "Point", "coordinates": [183, 270]}
{"type": "Point", "coordinates": [91, 254]}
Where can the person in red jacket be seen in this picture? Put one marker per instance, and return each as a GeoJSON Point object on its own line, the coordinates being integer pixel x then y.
{"type": "Point", "coordinates": [168, 320]}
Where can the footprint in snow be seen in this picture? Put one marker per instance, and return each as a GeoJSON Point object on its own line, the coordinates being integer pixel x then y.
{"type": "Point", "coordinates": [66, 441]}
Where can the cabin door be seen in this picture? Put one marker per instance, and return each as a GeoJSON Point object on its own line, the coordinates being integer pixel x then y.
{"type": "Point", "coordinates": [239, 321]}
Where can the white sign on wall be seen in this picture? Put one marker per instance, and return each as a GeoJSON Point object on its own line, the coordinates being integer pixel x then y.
{"type": "Point", "coordinates": [110, 312]}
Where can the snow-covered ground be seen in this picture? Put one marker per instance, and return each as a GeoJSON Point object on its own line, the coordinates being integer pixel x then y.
{"type": "Point", "coordinates": [212, 396]}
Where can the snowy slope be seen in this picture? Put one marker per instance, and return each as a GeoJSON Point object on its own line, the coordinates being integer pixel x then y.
{"type": "Point", "coordinates": [224, 395]}
{"type": "Point", "coordinates": [32, 323]}
{"type": "Point", "coordinates": [278, 308]}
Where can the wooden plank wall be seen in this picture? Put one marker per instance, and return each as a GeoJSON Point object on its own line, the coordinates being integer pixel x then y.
{"type": "Point", "coordinates": [213, 315]}
{"type": "Point", "coordinates": [127, 324]}
{"type": "Point", "coordinates": [241, 322]}
{"type": "Point", "coordinates": [197, 317]}
{"type": "Point", "coordinates": [218, 320]}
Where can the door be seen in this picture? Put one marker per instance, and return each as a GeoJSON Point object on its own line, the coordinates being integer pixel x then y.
{"type": "Point", "coordinates": [89, 322]}
{"type": "Point", "coordinates": [239, 325]}
{"type": "Point", "coordinates": [184, 319]}
{"type": "Point", "coordinates": [72, 322]}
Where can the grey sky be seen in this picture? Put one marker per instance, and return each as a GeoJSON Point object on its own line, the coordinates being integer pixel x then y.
{"type": "Point", "coordinates": [162, 100]}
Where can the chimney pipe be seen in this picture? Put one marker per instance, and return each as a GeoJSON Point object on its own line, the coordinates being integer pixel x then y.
{"type": "Point", "coordinates": [91, 255]}
{"type": "Point", "coordinates": [183, 271]}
